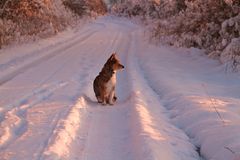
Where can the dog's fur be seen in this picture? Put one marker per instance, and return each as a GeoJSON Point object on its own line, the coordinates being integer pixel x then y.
{"type": "Point", "coordinates": [104, 84]}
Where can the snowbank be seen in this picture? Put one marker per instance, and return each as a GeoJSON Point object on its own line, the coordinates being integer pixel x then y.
{"type": "Point", "coordinates": [202, 102]}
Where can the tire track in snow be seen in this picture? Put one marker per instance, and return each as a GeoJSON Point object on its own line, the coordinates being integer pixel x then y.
{"type": "Point", "coordinates": [64, 133]}
{"type": "Point", "coordinates": [67, 121]}
{"type": "Point", "coordinates": [129, 130]}
{"type": "Point", "coordinates": [66, 130]}
{"type": "Point", "coordinates": [158, 138]}
{"type": "Point", "coordinates": [13, 122]}
{"type": "Point", "coordinates": [108, 131]}
{"type": "Point", "coordinates": [58, 50]}
{"type": "Point", "coordinates": [12, 119]}
{"type": "Point", "coordinates": [81, 142]}
{"type": "Point", "coordinates": [171, 102]}
{"type": "Point", "coordinates": [20, 59]}
{"type": "Point", "coordinates": [88, 140]}
{"type": "Point", "coordinates": [42, 87]}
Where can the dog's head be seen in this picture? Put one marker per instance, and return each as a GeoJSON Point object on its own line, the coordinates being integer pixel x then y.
{"type": "Point", "coordinates": [114, 62]}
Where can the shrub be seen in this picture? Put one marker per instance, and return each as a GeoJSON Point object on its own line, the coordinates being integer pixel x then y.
{"type": "Point", "coordinates": [209, 25]}
{"type": "Point", "coordinates": [231, 55]}
{"type": "Point", "coordinates": [19, 18]}
{"type": "Point", "coordinates": [97, 6]}
{"type": "Point", "coordinates": [31, 17]}
{"type": "Point", "coordinates": [78, 7]}
{"type": "Point", "coordinates": [85, 7]}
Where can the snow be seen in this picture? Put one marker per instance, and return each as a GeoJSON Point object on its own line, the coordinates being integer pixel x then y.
{"type": "Point", "coordinates": [173, 103]}
{"type": "Point", "coordinates": [192, 88]}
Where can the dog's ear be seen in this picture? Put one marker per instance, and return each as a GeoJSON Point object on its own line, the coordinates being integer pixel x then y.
{"type": "Point", "coordinates": [113, 56]}
{"type": "Point", "coordinates": [110, 58]}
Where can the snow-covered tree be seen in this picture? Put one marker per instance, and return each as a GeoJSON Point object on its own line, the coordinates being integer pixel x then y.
{"type": "Point", "coordinates": [20, 18]}
{"type": "Point", "coordinates": [84, 7]}
{"type": "Point", "coordinates": [210, 25]}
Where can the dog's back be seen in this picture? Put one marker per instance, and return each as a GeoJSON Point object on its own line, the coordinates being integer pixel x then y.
{"type": "Point", "coordinates": [98, 86]}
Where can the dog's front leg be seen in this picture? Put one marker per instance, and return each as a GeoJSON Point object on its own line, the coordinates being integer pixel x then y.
{"type": "Point", "coordinates": [104, 99]}
{"type": "Point", "coordinates": [111, 97]}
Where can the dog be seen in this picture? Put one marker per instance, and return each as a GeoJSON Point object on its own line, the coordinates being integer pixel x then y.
{"type": "Point", "coordinates": [104, 84]}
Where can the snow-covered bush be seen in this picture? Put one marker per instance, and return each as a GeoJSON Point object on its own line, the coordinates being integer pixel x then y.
{"type": "Point", "coordinates": [97, 6]}
{"type": "Point", "coordinates": [78, 7]}
{"type": "Point", "coordinates": [31, 17]}
{"type": "Point", "coordinates": [19, 18]}
{"type": "Point", "coordinates": [152, 8]}
{"type": "Point", "coordinates": [85, 7]}
{"type": "Point", "coordinates": [209, 25]}
{"type": "Point", "coordinates": [231, 55]}
{"type": "Point", "coordinates": [7, 32]}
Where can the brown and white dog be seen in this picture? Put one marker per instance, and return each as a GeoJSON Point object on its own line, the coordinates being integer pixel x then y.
{"type": "Point", "coordinates": [104, 84]}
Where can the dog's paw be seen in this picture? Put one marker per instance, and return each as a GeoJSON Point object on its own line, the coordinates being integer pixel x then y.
{"type": "Point", "coordinates": [104, 103]}
{"type": "Point", "coordinates": [99, 100]}
{"type": "Point", "coordinates": [111, 103]}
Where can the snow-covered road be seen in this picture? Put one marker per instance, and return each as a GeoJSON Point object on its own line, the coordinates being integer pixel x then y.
{"type": "Point", "coordinates": [173, 104]}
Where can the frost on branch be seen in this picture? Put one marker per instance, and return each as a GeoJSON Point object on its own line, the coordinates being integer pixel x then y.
{"type": "Point", "coordinates": [231, 55]}
{"type": "Point", "coordinates": [209, 25]}
{"type": "Point", "coordinates": [31, 17]}
{"type": "Point", "coordinates": [85, 7]}
{"type": "Point", "coordinates": [27, 19]}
